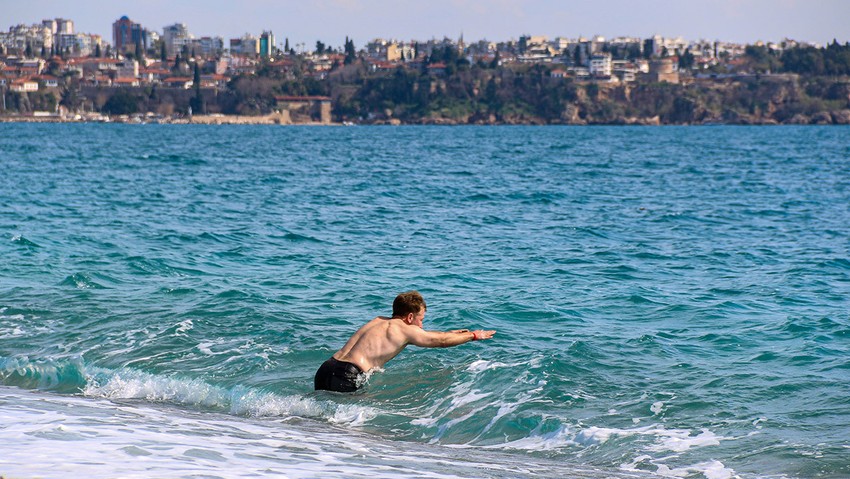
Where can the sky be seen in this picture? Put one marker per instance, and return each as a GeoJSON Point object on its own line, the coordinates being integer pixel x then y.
{"type": "Point", "coordinates": [331, 21]}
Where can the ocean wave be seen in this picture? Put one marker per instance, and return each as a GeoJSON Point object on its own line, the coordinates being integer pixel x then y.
{"type": "Point", "coordinates": [73, 376]}
{"type": "Point", "coordinates": [22, 241]}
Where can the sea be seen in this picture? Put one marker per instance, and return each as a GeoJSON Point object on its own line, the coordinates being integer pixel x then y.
{"type": "Point", "coordinates": [669, 301]}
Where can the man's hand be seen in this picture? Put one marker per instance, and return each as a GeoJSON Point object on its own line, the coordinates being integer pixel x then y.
{"type": "Point", "coordinates": [480, 334]}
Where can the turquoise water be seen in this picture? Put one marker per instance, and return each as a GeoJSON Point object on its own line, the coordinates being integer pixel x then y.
{"type": "Point", "coordinates": [669, 300]}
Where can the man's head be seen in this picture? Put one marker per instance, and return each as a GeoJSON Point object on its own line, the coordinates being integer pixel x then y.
{"type": "Point", "coordinates": [410, 302]}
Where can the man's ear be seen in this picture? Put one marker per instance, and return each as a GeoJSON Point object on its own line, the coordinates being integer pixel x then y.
{"type": "Point", "coordinates": [409, 318]}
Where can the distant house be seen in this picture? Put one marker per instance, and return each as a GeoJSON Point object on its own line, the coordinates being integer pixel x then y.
{"type": "Point", "coordinates": [154, 75]}
{"type": "Point", "coordinates": [213, 81]}
{"type": "Point", "coordinates": [125, 82]}
{"type": "Point", "coordinates": [49, 81]}
{"type": "Point", "coordinates": [600, 65]}
{"type": "Point", "coordinates": [24, 85]}
{"type": "Point", "coordinates": [381, 65]}
{"type": "Point", "coordinates": [178, 82]}
{"type": "Point", "coordinates": [437, 69]}
{"type": "Point", "coordinates": [559, 73]}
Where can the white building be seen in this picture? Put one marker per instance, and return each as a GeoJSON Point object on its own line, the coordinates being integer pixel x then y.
{"type": "Point", "coordinates": [20, 36]}
{"type": "Point", "coordinates": [247, 45]}
{"type": "Point", "coordinates": [127, 69]}
{"type": "Point", "coordinates": [65, 26]}
{"type": "Point", "coordinates": [79, 44]}
{"type": "Point", "coordinates": [176, 37]}
{"type": "Point", "coordinates": [601, 65]}
{"type": "Point", "coordinates": [209, 46]}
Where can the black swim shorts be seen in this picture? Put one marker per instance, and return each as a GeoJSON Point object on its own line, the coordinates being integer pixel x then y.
{"type": "Point", "coordinates": [340, 376]}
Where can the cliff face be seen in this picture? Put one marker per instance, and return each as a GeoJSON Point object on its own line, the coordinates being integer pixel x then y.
{"type": "Point", "coordinates": [748, 100]}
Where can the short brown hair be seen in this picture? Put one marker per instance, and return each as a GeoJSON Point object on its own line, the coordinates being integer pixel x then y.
{"type": "Point", "coordinates": [408, 302]}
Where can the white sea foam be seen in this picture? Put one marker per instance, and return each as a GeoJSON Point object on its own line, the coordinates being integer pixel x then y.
{"type": "Point", "coordinates": [130, 384]}
{"type": "Point", "coordinates": [710, 469]}
{"type": "Point", "coordinates": [141, 441]}
{"type": "Point", "coordinates": [353, 415]}
{"type": "Point", "coordinates": [537, 441]}
{"type": "Point", "coordinates": [467, 398]}
{"type": "Point", "coordinates": [598, 435]}
{"type": "Point", "coordinates": [657, 407]}
{"type": "Point", "coordinates": [183, 326]}
{"type": "Point", "coordinates": [678, 440]}
{"type": "Point", "coordinates": [484, 365]}
{"type": "Point", "coordinates": [205, 348]}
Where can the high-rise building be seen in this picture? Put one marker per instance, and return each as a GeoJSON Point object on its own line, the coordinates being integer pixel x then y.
{"type": "Point", "coordinates": [126, 34]}
{"type": "Point", "coordinates": [64, 26]}
{"type": "Point", "coordinates": [50, 24]}
{"type": "Point", "coordinates": [248, 45]}
{"type": "Point", "coordinates": [122, 38]}
{"type": "Point", "coordinates": [266, 44]}
{"type": "Point", "coordinates": [176, 37]}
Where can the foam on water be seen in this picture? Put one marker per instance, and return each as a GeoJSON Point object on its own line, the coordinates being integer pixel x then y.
{"type": "Point", "coordinates": [140, 441]}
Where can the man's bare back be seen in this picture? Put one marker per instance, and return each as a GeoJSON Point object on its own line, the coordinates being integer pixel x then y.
{"type": "Point", "coordinates": [382, 338]}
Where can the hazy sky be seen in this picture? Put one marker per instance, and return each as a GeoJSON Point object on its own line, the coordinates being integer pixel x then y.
{"type": "Point", "coordinates": [331, 21]}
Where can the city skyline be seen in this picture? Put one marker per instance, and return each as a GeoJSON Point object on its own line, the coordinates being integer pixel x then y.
{"type": "Point", "coordinates": [330, 21]}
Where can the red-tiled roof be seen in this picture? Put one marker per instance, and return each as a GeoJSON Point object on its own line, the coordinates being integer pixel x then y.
{"type": "Point", "coordinates": [302, 98]}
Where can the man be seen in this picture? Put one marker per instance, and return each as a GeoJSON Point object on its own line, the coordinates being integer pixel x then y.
{"type": "Point", "coordinates": [381, 339]}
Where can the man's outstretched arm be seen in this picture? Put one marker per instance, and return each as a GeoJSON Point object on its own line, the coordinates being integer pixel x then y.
{"type": "Point", "coordinates": [437, 339]}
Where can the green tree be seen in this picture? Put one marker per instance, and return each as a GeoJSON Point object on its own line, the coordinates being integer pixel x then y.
{"type": "Point", "coordinates": [28, 51]}
{"type": "Point", "coordinates": [320, 47]}
{"type": "Point", "coordinates": [197, 102]}
{"type": "Point", "coordinates": [122, 103]}
{"type": "Point", "coordinates": [647, 48]}
{"type": "Point", "coordinates": [163, 55]}
{"type": "Point", "coordinates": [350, 51]}
{"type": "Point", "coordinates": [686, 60]}
{"type": "Point", "coordinates": [97, 52]}
{"type": "Point", "coordinates": [138, 52]}
{"type": "Point", "coordinates": [286, 45]}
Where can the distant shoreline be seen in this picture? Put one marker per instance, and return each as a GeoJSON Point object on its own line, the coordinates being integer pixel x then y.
{"type": "Point", "coordinates": [271, 119]}
{"type": "Point", "coordinates": [276, 120]}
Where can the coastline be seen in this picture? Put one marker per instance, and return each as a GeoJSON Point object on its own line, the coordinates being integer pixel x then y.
{"type": "Point", "coordinates": [215, 119]}
{"type": "Point", "coordinates": [836, 118]}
